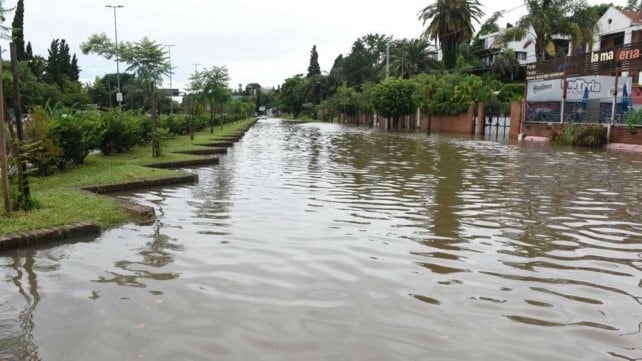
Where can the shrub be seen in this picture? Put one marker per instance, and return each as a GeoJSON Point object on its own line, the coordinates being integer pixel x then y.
{"type": "Point", "coordinates": [633, 117]}
{"type": "Point", "coordinates": [41, 151]}
{"type": "Point", "coordinates": [177, 124]}
{"type": "Point", "coordinates": [580, 135]}
{"type": "Point", "coordinates": [76, 134]}
{"type": "Point", "coordinates": [120, 131]}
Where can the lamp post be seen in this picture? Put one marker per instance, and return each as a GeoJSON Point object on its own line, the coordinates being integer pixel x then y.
{"type": "Point", "coordinates": [119, 95]}
{"type": "Point", "coordinates": [171, 91]}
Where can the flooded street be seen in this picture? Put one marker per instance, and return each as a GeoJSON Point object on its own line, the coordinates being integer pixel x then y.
{"type": "Point", "coordinates": [323, 242]}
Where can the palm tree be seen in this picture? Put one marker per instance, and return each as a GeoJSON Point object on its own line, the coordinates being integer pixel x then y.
{"type": "Point", "coordinates": [451, 23]}
{"type": "Point", "coordinates": [412, 57]}
{"type": "Point", "coordinates": [586, 19]}
{"type": "Point", "coordinates": [546, 18]}
{"type": "Point", "coordinates": [506, 65]}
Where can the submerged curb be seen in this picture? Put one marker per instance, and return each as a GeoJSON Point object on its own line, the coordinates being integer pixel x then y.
{"type": "Point", "coordinates": [144, 214]}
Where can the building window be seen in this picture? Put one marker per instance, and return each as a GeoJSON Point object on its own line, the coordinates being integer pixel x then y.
{"type": "Point", "coordinates": [521, 55]}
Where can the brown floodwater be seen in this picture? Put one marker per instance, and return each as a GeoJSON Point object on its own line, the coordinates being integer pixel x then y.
{"type": "Point", "coordinates": [324, 242]}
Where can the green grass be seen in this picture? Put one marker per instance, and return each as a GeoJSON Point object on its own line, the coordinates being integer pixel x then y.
{"type": "Point", "coordinates": [60, 201]}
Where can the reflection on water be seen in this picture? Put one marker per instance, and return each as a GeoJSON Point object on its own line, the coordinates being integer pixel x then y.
{"type": "Point", "coordinates": [321, 242]}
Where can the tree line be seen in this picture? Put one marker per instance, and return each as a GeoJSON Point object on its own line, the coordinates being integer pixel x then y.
{"type": "Point", "coordinates": [379, 64]}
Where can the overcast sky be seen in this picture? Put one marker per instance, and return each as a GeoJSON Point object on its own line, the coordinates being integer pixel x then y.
{"type": "Point", "coordinates": [258, 41]}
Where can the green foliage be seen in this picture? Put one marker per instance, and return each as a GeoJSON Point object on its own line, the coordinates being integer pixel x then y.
{"type": "Point", "coordinates": [292, 94]}
{"type": "Point", "coordinates": [75, 133]}
{"type": "Point", "coordinates": [451, 23]}
{"type": "Point", "coordinates": [633, 117]}
{"type": "Point", "coordinates": [365, 63]}
{"type": "Point", "coordinates": [314, 68]}
{"type": "Point", "coordinates": [409, 57]}
{"type": "Point", "coordinates": [41, 150]}
{"type": "Point", "coordinates": [176, 124]}
{"type": "Point", "coordinates": [547, 18]}
{"type": "Point", "coordinates": [394, 97]}
{"type": "Point", "coordinates": [60, 64]}
{"type": "Point", "coordinates": [121, 131]}
{"type": "Point", "coordinates": [580, 135]}
{"type": "Point", "coordinates": [453, 93]}
{"type": "Point", "coordinates": [17, 30]}
{"type": "Point", "coordinates": [511, 92]}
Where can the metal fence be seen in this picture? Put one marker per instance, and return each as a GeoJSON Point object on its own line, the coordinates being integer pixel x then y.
{"type": "Point", "coordinates": [497, 121]}
{"type": "Point", "coordinates": [574, 112]}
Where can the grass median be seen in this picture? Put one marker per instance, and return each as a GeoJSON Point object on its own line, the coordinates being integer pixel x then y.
{"type": "Point", "coordinates": [59, 200]}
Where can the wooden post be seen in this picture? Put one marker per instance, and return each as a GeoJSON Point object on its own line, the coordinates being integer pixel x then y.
{"type": "Point", "coordinates": [4, 167]}
{"type": "Point", "coordinates": [23, 182]}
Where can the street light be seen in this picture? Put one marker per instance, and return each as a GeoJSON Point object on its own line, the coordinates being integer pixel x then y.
{"type": "Point", "coordinates": [171, 91]}
{"type": "Point", "coordinates": [119, 95]}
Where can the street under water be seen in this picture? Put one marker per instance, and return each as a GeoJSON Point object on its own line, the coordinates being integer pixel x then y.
{"type": "Point", "coordinates": [325, 242]}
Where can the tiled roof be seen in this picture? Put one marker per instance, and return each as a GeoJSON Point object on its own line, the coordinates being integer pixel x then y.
{"type": "Point", "coordinates": [635, 16]}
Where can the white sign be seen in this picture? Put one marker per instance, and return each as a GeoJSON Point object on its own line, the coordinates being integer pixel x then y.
{"type": "Point", "coordinates": [599, 87]}
{"type": "Point", "coordinates": [261, 109]}
{"type": "Point", "coordinates": [119, 97]}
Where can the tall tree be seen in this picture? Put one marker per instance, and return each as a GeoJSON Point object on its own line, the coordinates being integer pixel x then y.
{"type": "Point", "coordinates": [292, 94]}
{"type": "Point", "coordinates": [212, 84]}
{"type": "Point", "coordinates": [60, 65]}
{"type": "Point", "coordinates": [586, 18]}
{"type": "Point", "coordinates": [546, 18]}
{"type": "Point", "coordinates": [506, 66]}
{"type": "Point", "coordinates": [451, 23]}
{"type": "Point", "coordinates": [314, 68]}
{"type": "Point", "coordinates": [17, 30]}
{"type": "Point", "coordinates": [366, 60]}
{"type": "Point", "coordinates": [147, 59]}
{"type": "Point", "coordinates": [412, 57]}
{"type": "Point", "coordinates": [394, 98]}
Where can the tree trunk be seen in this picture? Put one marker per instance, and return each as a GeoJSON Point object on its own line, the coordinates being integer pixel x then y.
{"type": "Point", "coordinates": [155, 140]}
{"type": "Point", "coordinates": [192, 115]}
{"type": "Point", "coordinates": [220, 115]}
{"type": "Point", "coordinates": [4, 167]}
{"type": "Point", "coordinates": [211, 115]}
{"type": "Point", "coordinates": [23, 182]}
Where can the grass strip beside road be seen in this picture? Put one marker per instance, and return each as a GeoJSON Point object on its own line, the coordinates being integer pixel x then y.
{"type": "Point", "coordinates": [59, 198]}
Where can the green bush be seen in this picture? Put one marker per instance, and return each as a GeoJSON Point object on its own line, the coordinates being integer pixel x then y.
{"type": "Point", "coordinates": [580, 135]}
{"type": "Point", "coordinates": [76, 134]}
{"type": "Point", "coordinates": [453, 93]}
{"type": "Point", "coordinates": [633, 117]}
{"type": "Point", "coordinates": [40, 150]}
{"type": "Point", "coordinates": [177, 124]}
{"type": "Point", "coordinates": [120, 131]}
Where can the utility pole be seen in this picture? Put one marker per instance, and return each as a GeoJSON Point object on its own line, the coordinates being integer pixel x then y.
{"type": "Point", "coordinates": [119, 95]}
{"type": "Point", "coordinates": [196, 67]}
{"type": "Point", "coordinates": [171, 91]}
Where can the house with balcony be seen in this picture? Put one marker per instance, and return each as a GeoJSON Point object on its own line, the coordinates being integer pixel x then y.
{"type": "Point", "coordinates": [524, 49]}
{"type": "Point", "coordinates": [622, 30]}
{"type": "Point", "coordinates": [494, 45]}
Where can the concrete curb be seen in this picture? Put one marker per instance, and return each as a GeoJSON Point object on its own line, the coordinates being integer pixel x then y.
{"type": "Point", "coordinates": [144, 213]}
{"type": "Point", "coordinates": [206, 151]}
{"type": "Point", "coordinates": [185, 163]}
{"type": "Point", "coordinates": [217, 144]}
{"type": "Point", "coordinates": [126, 186]}
{"type": "Point", "coordinates": [46, 235]}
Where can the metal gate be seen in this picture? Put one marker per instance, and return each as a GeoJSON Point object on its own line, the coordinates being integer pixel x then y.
{"type": "Point", "coordinates": [497, 122]}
